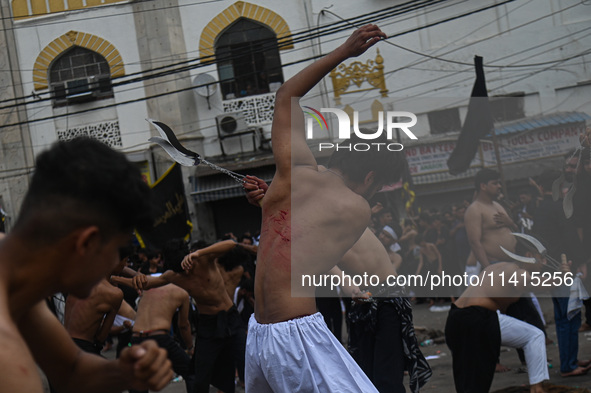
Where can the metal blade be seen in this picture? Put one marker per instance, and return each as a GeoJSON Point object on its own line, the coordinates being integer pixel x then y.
{"type": "Point", "coordinates": [567, 202]}
{"type": "Point", "coordinates": [518, 258]}
{"type": "Point", "coordinates": [169, 136]}
{"type": "Point", "coordinates": [174, 153]}
{"type": "Point", "coordinates": [537, 244]}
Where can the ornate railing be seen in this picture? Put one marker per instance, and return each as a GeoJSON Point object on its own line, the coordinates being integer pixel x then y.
{"type": "Point", "coordinates": [257, 110]}
{"type": "Point", "coordinates": [107, 132]}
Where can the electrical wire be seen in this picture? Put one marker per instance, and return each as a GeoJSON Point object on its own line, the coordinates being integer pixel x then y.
{"type": "Point", "coordinates": [98, 108]}
{"type": "Point", "coordinates": [287, 41]}
{"type": "Point", "coordinates": [218, 60]}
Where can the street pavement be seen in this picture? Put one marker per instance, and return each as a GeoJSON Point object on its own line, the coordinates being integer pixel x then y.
{"type": "Point", "coordinates": [431, 325]}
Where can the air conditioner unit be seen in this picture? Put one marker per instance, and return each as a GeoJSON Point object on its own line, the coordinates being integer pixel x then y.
{"type": "Point", "coordinates": [231, 123]}
{"type": "Point", "coordinates": [81, 90]}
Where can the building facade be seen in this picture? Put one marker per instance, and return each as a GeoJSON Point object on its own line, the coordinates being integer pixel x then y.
{"type": "Point", "coordinates": [210, 70]}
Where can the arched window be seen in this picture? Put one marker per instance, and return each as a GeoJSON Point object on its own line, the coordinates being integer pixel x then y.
{"type": "Point", "coordinates": [248, 59]}
{"type": "Point", "coordinates": [79, 75]}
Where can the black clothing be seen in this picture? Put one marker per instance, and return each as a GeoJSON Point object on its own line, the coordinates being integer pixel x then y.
{"type": "Point", "coordinates": [181, 362]}
{"type": "Point", "coordinates": [384, 342]}
{"type": "Point", "coordinates": [89, 346]}
{"type": "Point", "coordinates": [219, 350]}
{"type": "Point", "coordinates": [473, 335]}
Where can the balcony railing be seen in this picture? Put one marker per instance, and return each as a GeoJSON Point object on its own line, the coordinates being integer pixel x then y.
{"type": "Point", "coordinates": [258, 110]}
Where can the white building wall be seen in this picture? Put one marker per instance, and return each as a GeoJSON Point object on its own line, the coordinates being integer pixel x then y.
{"type": "Point", "coordinates": [520, 32]}
{"type": "Point", "coordinates": [533, 33]}
{"type": "Point", "coordinates": [114, 24]}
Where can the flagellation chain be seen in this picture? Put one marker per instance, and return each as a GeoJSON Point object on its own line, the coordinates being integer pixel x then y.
{"type": "Point", "coordinates": [236, 176]}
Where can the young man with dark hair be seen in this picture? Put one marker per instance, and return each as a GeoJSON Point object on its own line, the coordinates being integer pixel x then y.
{"type": "Point", "coordinates": [77, 218]}
{"type": "Point", "coordinates": [311, 218]}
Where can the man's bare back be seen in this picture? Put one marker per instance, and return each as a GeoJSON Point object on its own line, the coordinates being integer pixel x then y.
{"type": "Point", "coordinates": [157, 307]}
{"type": "Point", "coordinates": [494, 293]}
{"type": "Point", "coordinates": [91, 318]}
{"type": "Point", "coordinates": [311, 217]}
{"type": "Point", "coordinates": [368, 255]}
{"type": "Point", "coordinates": [291, 243]}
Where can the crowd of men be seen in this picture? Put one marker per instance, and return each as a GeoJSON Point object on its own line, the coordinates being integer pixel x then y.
{"type": "Point", "coordinates": [217, 313]}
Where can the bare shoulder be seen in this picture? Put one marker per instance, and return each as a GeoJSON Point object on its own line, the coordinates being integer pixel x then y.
{"type": "Point", "coordinates": [115, 296]}
{"type": "Point", "coordinates": [178, 291]}
{"type": "Point", "coordinates": [108, 293]}
{"type": "Point", "coordinates": [18, 371]}
{"type": "Point", "coordinates": [474, 207]}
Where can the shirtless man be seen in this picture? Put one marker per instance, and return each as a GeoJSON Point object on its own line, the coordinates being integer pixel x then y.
{"type": "Point", "coordinates": [382, 339]}
{"type": "Point", "coordinates": [155, 311]}
{"type": "Point", "coordinates": [73, 220]}
{"type": "Point", "coordinates": [89, 320]}
{"type": "Point", "coordinates": [477, 326]}
{"type": "Point", "coordinates": [487, 223]}
{"type": "Point", "coordinates": [310, 219]}
{"type": "Point", "coordinates": [219, 328]}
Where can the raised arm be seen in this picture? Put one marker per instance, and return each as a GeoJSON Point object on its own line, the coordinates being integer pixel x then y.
{"type": "Point", "coordinates": [287, 133]}
{"type": "Point", "coordinates": [141, 281]}
{"type": "Point", "coordinates": [207, 254]}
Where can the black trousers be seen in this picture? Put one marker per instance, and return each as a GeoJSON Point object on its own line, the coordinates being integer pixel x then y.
{"type": "Point", "coordinates": [473, 335]}
{"type": "Point", "coordinates": [219, 350]}
{"type": "Point", "coordinates": [181, 362]}
{"type": "Point", "coordinates": [379, 353]}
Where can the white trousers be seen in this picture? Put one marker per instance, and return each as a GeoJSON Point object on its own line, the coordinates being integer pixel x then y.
{"type": "Point", "coordinates": [300, 355]}
{"type": "Point", "coordinates": [519, 334]}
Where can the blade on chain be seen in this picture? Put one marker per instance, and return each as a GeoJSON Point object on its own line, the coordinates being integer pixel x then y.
{"type": "Point", "coordinates": [174, 153]}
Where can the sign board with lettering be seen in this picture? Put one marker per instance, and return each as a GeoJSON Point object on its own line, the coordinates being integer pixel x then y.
{"type": "Point", "coordinates": [526, 146]}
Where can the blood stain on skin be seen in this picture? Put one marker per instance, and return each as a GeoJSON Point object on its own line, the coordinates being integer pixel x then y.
{"type": "Point", "coordinates": [24, 370]}
{"type": "Point", "coordinates": [281, 225]}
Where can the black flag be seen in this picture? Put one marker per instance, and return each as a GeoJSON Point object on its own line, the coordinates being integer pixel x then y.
{"type": "Point", "coordinates": [169, 210]}
{"type": "Point", "coordinates": [478, 123]}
